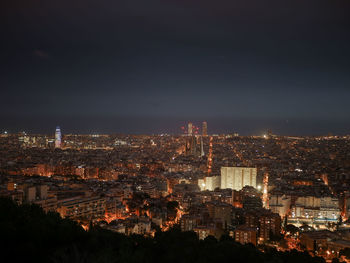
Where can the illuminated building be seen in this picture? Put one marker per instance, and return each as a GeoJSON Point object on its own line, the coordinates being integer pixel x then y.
{"type": "Point", "coordinates": [82, 207]}
{"type": "Point", "coordinates": [269, 223]}
{"type": "Point", "coordinates": [212, 182]}
{"type": "Point", "coordinates": [237, 198]}
{"type": "Point", "coordinates": [202, 147]}
{"type": "Point", "coordinates": [58, 137]}
{"type": "Point", "coordinates": [191, 146]}
{"type": "Point", "coordinates": [190, 129]}
{"type": "Point", "coordinates": [208, 230]}
{"type": "Point", "coordinates": [245, 235]}
{"type": "Point", "coordinates": [314, 210]}
{"type": "Point", "coordinates": [237, 177]}
{"type": "Point", "coordinates": [204, 128]}
{"type": "Point", "coordinates": [280, 204]}
{"type": "Point", "coordinates": [264, 221]}
{"type": "Point", "coordinates": [142, 227]}
{"type": "Point", "coordinates": [314, 240]}
{"type": "Point", "coordinates": [188, 222]}
{"type": "Point", "coordinates": [209, 183]}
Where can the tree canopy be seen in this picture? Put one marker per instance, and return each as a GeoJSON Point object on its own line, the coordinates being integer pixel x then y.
{"type": "Point", "coordinates": [28, 233]}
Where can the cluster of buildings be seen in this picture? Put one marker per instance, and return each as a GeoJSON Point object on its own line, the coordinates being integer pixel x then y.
{"type": "Point", "coordinates": [251, 188]}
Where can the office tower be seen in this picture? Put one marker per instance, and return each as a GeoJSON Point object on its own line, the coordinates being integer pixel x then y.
{"type": "Point", "coordinates": [190, 129]}
{"type": "Point", "coordinates": [202, 147]}
{"type": "Point", "coordinates": [237, 177]}
{"type": "Point", "coordinates": [58, 137]}
{"type": "Point", "coordinates": [204, 128]}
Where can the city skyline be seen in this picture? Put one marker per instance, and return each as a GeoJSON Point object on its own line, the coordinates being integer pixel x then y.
{"type": "Point", "coordinates": [148, 125]}
{"type": "Point", "coordinates": [175, 131]}
{"type": "Point", "coordinates": [282, 192]}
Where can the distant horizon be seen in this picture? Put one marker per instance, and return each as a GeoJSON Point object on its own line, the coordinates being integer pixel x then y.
{"type": "Point", "coordinates": [172, 125]}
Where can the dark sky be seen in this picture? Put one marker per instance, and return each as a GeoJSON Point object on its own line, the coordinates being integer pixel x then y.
{"type": "Point", "coordinates": [144, 66]}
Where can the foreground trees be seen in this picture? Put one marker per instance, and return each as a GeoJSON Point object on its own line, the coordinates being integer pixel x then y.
{"type": "Point", "coordinates": [27, 233]}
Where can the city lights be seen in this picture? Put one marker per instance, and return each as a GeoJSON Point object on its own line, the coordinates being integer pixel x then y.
{"type": "Point", "coordinates": [135, 184]}
{"type": "Point", "coordinates": [175, 131]}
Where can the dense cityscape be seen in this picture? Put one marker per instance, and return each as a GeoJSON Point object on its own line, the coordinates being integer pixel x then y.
{"type": "Point", "coordinates": [155, 131]}
{"type": "Point", "coordinates": [287, 193]}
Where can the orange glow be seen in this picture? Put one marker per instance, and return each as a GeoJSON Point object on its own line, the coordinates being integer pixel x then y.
{"type": "Point", "coordinates": [168, 224]}
{"type": "Point", "coordinates": [303, 182]}
{"type": "Point", "coordinates": [109, 217]}
{"type": "Point", "coordinates": [238, 204]}
{"type": "Point", "coordinates": [324, 177]}
{"type": "Point", "coordinates": [86, 227]}
{"type": "Point", "coordinates": [210, 155]}
{"type": "Point", "coordinates": [265, 190]}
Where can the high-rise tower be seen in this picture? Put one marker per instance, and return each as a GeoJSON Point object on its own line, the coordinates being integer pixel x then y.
{"type": "Point", "coordinates": [58, 137]}
{"type": "Point", "coordinates": [202, 147]}
{"type": "Point", "coordinates": [191, 146]}
{"type": "Point", "coordinates": [204, 128]}
{"type": "Point", "coordinates": [190, 129]}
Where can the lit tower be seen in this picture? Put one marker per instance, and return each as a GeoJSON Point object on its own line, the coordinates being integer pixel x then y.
{"type": "Point", "coordinates": [202, 148]}
{"type": "Point", "coordinates": [190, 129]}
{"type": "Point", "coordinates": [58, 137]}
{"type": "Point", "coordinates": [204, 128]}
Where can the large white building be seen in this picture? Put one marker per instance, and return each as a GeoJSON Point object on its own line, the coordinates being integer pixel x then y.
{"type": "Point", "coordinates": [209, 183]}
{"type": "Point", "coordinates": [237, 177]}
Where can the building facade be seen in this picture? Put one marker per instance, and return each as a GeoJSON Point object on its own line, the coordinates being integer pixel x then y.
{"type": "Point", "coordinates": [237, 177]}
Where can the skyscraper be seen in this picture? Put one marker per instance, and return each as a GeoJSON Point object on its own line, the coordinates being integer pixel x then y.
{"type": "Point", "coordinates": [204, 128]}
{"type": "Point", "coordinates": [202, 148]}
{"type": "Point", "coordinates": [58, 137]}
{"type": "Point", "coordinates": [190, 129]}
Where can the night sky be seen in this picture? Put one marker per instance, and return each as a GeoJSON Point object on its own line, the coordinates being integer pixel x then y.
{"type": "Point", "coordinates": [150, 66]}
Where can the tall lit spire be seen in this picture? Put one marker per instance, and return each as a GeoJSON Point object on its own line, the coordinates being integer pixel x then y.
{"type": "Point", "coordinates": [202, 148]}
{"type": "Point", "coordinates": [204, 128]}
{"type": "Point", "coordinates": [190, 128]}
